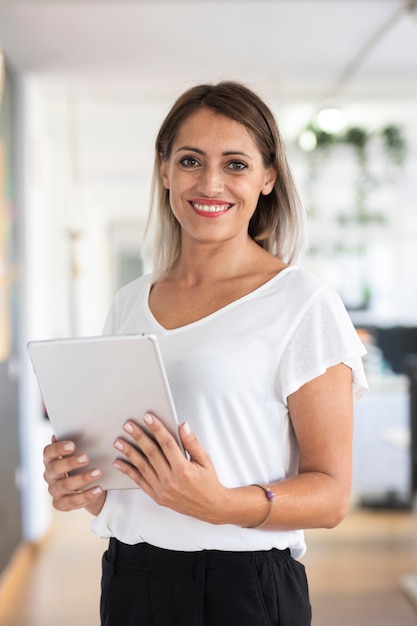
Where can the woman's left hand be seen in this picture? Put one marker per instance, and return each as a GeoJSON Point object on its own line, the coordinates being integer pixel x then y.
{"type": "Point", "coordinates": [159, 467]}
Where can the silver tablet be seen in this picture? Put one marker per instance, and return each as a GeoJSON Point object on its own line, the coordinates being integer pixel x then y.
{"type": "Point", "coordinates": [91, 386]}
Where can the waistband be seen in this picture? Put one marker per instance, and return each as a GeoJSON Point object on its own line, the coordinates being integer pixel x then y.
{"type": "Point", "coordinates": [144, 556]}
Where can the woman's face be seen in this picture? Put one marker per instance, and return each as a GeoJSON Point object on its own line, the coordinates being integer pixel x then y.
{"type": "Point", "coordinates": [214, 175]}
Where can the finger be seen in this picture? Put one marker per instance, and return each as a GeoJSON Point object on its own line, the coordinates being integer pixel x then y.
{"type": "Point", "coordinates": [68, 467]}
{"type": "Point", "coordinates": [74, 491]}
{"type": "Point", "coordinates": [77, 500]}
{"type": "Point", "coordinates": [74, 483]}
{"type": "Point", "coordinates": [193, 446]}
{"type": "Point", "coordinates": [165, 440]}
{"type": "Point", "coordinates": [139, 461]}
{"type": "Point", "coordinates": [159, 448]}
{"type": "Point", "coordinates": [141, 478]}
{"type": "Point", "coordinates": [57, 449]}
{"type": "Point", "coordinates": [59, 466]}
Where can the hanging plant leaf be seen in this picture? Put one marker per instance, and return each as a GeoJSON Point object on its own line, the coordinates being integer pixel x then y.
{"type": "Point", "coordinates": [393, 147]}
{"type": "Point", "coordinates": [394, 144]}
{"type": "Point", "coordinates": [356, 136]}
{"type": "Point", "coordinates": [324, 140]}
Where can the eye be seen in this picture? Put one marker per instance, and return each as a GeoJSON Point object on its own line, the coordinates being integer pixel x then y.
{"type": "Point", "coordinates": [237, 166]}
{"type": "Point", "coordinates": [189, 161]}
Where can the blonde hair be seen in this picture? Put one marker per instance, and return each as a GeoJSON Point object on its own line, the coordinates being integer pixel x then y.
{"type": "Point", "coordinates": [278, 223]}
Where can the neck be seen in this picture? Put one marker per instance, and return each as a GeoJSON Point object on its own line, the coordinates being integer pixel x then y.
{"type": "Point", "coordinates": [201, 263]}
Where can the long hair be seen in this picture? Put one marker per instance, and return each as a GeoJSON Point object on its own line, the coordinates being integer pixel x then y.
{"type": "Point", "coordinates": [278, 223]}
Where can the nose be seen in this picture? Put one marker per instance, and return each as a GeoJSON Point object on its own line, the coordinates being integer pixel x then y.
{"type": "Point", "coordinates": [211, 182]}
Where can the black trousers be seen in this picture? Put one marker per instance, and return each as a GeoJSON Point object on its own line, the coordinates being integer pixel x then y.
{"type": "Point", "coordinates": [147, 586]}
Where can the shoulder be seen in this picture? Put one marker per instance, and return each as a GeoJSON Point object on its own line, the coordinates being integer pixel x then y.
{"type": "Point", "coordinates": [305, 296]}
{"type": "Point", "coordinates": [130, 294]}
{"type": "Point", "coordinates": [134, 289]}
{"type": "Point", "coordinates": [299, 285]}
{"type": "Point", "coordinates": [303, 278]}
{"type": "Point", "coordinates": [315, 292]}
{"type": "Point", "coordinates": [129, 298]}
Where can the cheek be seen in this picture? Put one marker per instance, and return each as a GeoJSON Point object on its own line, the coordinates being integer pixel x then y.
{"type": "Point", "coordinates": [174, 182]}
{"type": "Point", "coordinates": [175, 200]}
{"type": "Point", "coordinates": [251, 190]}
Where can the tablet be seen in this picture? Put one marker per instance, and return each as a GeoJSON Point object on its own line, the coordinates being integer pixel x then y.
{"type": "Point", "coordinates": [91, 386]}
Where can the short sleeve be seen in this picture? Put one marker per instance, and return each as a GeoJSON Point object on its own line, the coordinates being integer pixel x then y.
{"type": "Point", "coordinates": [109, 327]}
{"type": "Point", "coordinates": [324, 336]}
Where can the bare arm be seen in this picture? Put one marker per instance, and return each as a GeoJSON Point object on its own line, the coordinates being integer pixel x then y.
{"type": "Point", "coordinates": [322, 416]}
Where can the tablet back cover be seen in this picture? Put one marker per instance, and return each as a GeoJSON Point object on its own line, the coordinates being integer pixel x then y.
{"type": "Point", "coordinates": [91, 386]}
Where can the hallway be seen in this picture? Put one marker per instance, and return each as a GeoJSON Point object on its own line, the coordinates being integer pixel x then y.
{"type": "Point", "coordinates": [354, 573]}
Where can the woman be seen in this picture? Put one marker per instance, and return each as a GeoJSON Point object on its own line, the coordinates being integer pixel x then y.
{"type": "Point", "coordinates": [262, 360]}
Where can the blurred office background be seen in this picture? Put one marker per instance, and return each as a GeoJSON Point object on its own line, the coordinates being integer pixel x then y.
{"type": "Point", "coordinates": [84, 87]}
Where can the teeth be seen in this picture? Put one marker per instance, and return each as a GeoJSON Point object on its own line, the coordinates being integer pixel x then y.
{"type": "Point", "coordinates": [211, 208]}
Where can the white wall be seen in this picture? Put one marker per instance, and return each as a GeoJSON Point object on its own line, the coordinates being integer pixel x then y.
{"type": "Point", "coordinates": [38, 229]}
{"type": "Point", "coordinates": [100, 155]}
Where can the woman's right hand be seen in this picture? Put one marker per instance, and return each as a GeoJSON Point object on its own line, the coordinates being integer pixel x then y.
{"type": "Point", "coordinates": [71, 492]}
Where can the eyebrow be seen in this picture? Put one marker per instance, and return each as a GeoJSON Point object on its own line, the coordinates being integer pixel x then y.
{"type": "Point", "coordinates": [226, 153]}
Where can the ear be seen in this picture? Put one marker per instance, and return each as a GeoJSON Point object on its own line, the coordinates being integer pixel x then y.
{"type": "Point", "coordinates": [163, 171]}
{"type": "Point", "coordinates": [270, 178]}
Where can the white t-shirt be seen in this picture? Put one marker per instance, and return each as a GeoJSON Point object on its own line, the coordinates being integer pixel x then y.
{"type": "Point", "coordinates": [230, 374]}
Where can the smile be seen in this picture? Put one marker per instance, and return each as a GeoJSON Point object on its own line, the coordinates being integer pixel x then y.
{"type": "Point", "coordinates": [210, 208]}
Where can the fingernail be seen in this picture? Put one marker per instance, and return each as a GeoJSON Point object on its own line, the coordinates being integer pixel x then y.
{"type": "Point", "coordinates": [69, 447]}
{"type": "Point", "coordinates": [118, 445]}
{"type": "Point", "coordinates": [128, 427]}
{"type": "Point", "coordinates": [82, 458]}
{"type": "Point", "coordinates": [97, 491]}
{"type": "Point", "coordinates": [186, 428]}
{"type": "Point", "coordinates": [95, 472]}
{"type": "Point", "coordinates": [148, 419]}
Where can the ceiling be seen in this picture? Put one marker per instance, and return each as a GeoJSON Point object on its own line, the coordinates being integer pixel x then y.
{"type": "Point", "coordinates": [287, 49]}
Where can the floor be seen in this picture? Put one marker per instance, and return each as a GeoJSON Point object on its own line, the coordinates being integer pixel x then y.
{"type": "Point", "coordinates": [354, 573]}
